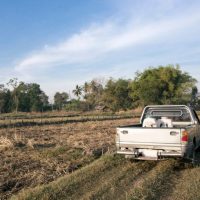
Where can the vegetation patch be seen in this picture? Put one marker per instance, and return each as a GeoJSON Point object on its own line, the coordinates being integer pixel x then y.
{"type": "Point", "coordinates": [187, 185]}
{"type": "Point", "coordinates": [151, 185]}
{"type": "Point", "coordinates": [70, 185]}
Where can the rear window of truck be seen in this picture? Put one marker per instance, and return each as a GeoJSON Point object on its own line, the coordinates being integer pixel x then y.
{"type": "Point", "coordinates": [176, 115]}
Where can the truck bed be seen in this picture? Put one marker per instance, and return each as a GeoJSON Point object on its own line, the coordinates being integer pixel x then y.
{"type": "Point", "coordinates": [149, 141]}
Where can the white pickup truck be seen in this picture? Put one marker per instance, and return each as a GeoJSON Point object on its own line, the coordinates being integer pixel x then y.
{"type": "Point", "coordinates": [163, 131]}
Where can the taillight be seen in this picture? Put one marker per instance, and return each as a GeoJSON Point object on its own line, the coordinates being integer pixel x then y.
{"type": "Point", "coordinates": [184, 137]}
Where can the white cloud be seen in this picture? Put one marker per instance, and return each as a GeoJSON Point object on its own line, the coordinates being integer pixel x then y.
{"type": "Point", "coordinates": [119, 47]}
{"type": "Point", "coordinates": [76, 49]}
{"type": "Point", "coordinates": [98, 40]}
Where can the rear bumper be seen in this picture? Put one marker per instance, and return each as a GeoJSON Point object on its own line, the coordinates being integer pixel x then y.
{"type": "Point", "coordinates": [151, 152]}
{"type": "Point", "coordinates": [156, 146]}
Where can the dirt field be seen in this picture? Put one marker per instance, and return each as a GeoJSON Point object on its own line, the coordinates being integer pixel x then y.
{"type": "Point", "coordinates": [76, 161]}
{"type": "Point", "coordinates": [40, 154]}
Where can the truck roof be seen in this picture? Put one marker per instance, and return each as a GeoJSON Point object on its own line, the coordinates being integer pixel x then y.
{"type": "Point", "coordinates": [167, 106]}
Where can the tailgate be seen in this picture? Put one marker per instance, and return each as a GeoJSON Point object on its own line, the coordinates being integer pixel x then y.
{"type": "Point", "coordinates": [149, 135]}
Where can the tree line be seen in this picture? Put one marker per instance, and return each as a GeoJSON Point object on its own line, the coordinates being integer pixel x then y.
{"type": "Point", "coordinates": [19, 96]}
{"type": "Point", "coordinates": [155, 85]}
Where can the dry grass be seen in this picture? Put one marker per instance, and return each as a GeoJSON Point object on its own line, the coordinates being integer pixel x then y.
{"type": "Point", "coordinates": [38, 155]}
{"type": "Point", "coordinates": [186, 186]}
{"type": "Point", "coordinates": [44, 119]}
{"type": "Point", "coordinates": [75, 185]}
{"type": "Point", "coordinates": [116, 178]}
{"type": "Point", "coordinates": [151, 185]}
{"type": "Point", "coordinates": [37, 163]}
{"type": "Point", "coordinates": [116, 186]}
{"type": "Point", "coordinates": [5, 143]}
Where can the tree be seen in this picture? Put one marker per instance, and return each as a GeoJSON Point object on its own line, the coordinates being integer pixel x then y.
{"type": "Point", "coordinates": [116, 94]}
{"type": "Point", "coordinates": [2, 98]}
{"type": "Point", "coordinates": [38, 99]}
{"type": "Point", "coordinates": [5, 99]}
{"type": "Point", "coordinates": [23, 97]}
{"type": "Point", "coordinates": [45, 101]}
{"type": "Point", "coordinates": [76, 105]}
{"type": "Point", "coordinates": [86, 87]}
{"type": "Point", "coordinates": [22, 91]}
{"type": "Point", "coordinates": [78, 91]}
{"type": "Point", "coordinates": [162, 85]}
{"type": "Point", "coordinates": [14, 83]}
{"type": "Point", "coordinates": [194, 98]}
{"type": "Point", "coordinates": [60, 99]}
{"type": "Point", "coordinates": [93, 93]}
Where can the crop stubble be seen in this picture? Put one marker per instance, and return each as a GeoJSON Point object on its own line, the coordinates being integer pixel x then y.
{"type": "Point", "coordinates": [43, 157]}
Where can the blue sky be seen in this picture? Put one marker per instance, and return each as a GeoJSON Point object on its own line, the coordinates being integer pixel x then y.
{"type": "Point", "coordinates": [59, 44]}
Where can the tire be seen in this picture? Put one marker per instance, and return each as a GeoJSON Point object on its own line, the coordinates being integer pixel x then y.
{"type": "Point", "coordinates": [195, 157]}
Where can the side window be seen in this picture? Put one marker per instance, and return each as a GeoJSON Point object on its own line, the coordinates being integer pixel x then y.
{"type": "Point", "coordinates": [185, 117]}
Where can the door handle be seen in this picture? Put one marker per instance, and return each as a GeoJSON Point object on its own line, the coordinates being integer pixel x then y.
{"type": "Point", "coordinates": [174, 133]}
{"type": "Point", "coordinates": [124, 132]}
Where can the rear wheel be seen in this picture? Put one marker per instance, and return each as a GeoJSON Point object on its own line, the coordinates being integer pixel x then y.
{"type": "Point", "coordinates": [195, 156]}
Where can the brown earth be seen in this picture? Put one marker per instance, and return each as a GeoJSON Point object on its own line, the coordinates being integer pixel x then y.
{"type": "Point", "coordinates": [38, 155]}
{"type": "Point", "coordinates": [67, 161]}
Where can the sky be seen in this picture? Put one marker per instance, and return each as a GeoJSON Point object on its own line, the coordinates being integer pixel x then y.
{"type": "Point", "coordinates": [59, 44]}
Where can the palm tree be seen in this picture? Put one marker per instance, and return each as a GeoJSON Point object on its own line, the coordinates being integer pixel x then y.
{"type": "Point", "coordinates": [78, 91]}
